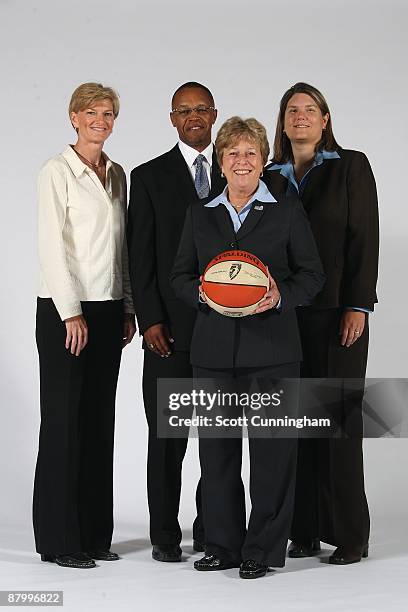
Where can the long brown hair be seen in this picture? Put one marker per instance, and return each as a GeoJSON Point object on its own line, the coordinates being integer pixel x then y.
{"type": "Point", "coordinates": [282, 149]}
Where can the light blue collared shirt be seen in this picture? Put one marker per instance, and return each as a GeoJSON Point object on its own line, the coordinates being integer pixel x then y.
{"type": "Point", "coordinates": [288, 172]}
{"type": "Point", "coordinates": [296, 188]}
{"type": "Point", "coordinates": [262, 194]}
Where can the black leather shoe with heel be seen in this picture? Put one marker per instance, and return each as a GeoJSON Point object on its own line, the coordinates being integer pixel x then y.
{"type": "Point", "coordinates": [298, 550]}
{"type": "Point", "coordinates": [168, 554]}
{"type": "Point", "coordinates": [345, 555]}
{"type": "Point", "coordinates": [103, 555]}
{"type": "Point", "coordinates": [252, 569]}
{"type": "Point", "coordinates": [212, 563]}
{"type": "Point", "coordinates": [77, 560]}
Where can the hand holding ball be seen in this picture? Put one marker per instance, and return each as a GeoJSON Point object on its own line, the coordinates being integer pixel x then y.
{"type": "Point", "coordinates": [234, 283]}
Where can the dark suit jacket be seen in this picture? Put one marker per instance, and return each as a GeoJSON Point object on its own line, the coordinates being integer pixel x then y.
{"type": "Point", "coordinates": [160, 192]}
{"type": "Point", "coordinates": [340, 200]}
{"type": "Point", "coordinates": [280, 236]}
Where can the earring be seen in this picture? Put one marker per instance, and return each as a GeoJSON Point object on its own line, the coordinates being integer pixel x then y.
{"type": "Point", "coordinates": [222, 174]}
{"type": "Point", "coordinates": [261, 174]}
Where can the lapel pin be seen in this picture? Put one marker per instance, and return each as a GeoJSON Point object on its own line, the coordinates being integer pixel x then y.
{"type": "Point", "coordinates": [258, 207]}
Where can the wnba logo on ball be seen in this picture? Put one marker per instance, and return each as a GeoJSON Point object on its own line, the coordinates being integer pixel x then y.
{"type": "Point", "coordinates": [234, 270]}
{"type": "Point", "coordinates": [228, 295]}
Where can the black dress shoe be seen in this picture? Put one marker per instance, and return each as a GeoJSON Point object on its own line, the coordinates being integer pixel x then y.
{"type": "Point", "coordinates": [252, 569]}
{"type": "Point", "coordinates": [344, 555]}
{"type": "Point", "coordinates": [309, 549]}
{"type": "Point", "coordinates": [198, 546]}
{"type": "Point", "coordinates": [78, 560]}
{"type": "Point", "coordinates": [103, 555]}
{"type": "Point", "coordinates": [168, 554]}
{"type": "Point", "coordinates": [211, 563]}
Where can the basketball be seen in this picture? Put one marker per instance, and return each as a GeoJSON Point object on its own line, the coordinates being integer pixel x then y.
{"type": "Point", "coordinates": [234, 283]}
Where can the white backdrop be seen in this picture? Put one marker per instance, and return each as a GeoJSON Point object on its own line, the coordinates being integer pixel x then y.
{"type": "Point", "coordinates": [248, 53]}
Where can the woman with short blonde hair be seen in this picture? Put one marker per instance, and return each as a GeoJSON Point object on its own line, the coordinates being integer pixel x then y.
{"type": "Point", "coordinates": [84, 318]}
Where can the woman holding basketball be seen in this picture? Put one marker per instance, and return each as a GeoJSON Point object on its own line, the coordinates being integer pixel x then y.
{"type": "Point", "coordinates": [338, 191]}
{"type": "Point", "coordinates": [266, 345]}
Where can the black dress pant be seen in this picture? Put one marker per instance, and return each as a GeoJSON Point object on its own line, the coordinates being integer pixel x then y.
{"type": "Point", "coordinates": [165, 455]}
{"type": "Point", "coordinates": [73, 498]}
{"type": "Point", "coordinates": [330, 501]}
{"type": "Point", "coordinates": [272, 485]}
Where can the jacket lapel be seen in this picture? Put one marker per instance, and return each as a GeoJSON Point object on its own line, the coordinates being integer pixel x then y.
{"type": "Point", "coordinates": [276, 183]}
{"type": "Point", "coordinates": [223, 221]}
{"type": "Point", "coordinates": [180, 176]}
{"type": "Point", "coordinates": [217, 181]}
{"type": "Point", "coordinates": [254, 216]}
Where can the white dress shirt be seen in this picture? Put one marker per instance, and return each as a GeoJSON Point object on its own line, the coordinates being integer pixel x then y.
{"type": "Point", "coordinates": [82, 241]}
{"type": "Point", "coordinates": [190, 155]}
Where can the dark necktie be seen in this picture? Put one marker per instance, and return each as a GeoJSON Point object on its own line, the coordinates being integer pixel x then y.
{"type": "Point", "coordinates": [201, 178]}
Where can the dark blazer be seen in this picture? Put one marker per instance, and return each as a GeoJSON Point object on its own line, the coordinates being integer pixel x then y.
{"type": "Point", "coordinates": [280, 236]}
{"type": "Point", "coordinates": [160, 192]}
{"type": "Point", "coordinates": [340, 199]}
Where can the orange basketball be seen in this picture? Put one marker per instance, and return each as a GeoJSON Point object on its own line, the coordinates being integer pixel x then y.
{"type": "Point", "coordinates": [234, 283]}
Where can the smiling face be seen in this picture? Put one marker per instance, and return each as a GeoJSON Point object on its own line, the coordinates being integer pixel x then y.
{"type": "Point", "coordinates": [304, 121]}
{"type": "Point", "coordinates": [242, 166]}
{"type": "Point", "coordinates": [95, 123]}
{"type": "Point", "coordinates": [194, 129]}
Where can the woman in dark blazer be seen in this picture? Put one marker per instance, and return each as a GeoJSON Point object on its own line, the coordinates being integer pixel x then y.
{"type": "Point", "coordinates": [338, 191]}
{"type": "Point", "coordinates": [266, 345]}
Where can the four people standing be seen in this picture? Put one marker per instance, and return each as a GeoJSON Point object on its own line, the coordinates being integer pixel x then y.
{"type": "Point", "coordinates": [82, 290]}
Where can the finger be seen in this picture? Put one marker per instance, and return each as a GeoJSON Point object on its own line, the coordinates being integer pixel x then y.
{"type": "Point", "coordinates": [82, 338]}
{"type": "Point", "coordinates": [85, 338]}
{"type": "Point", "coordinates": [128, 334]}
{"type": "Point", "coordinates": [262, 307]}
{"type": "Point", "coordinates": [73, 341]}
{"type": "Point", "coordinates": [265, 301]}
{"type": "Point", "coordinates": [343, 334]}
{"type": "Point", "coordinates": [161, 345]}
{"type": "Point", "coordinates": [356, 335]}
{"type": "Point", "coordinates": [68, 337]}
{"type": "Point", "coordinates": [79, 342]}
{"type": "Point", "coordinates": [350, 337]}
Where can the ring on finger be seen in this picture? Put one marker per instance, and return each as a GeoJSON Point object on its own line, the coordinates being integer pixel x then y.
{"type": "Point", "coordinates": [151, 346]}
{"type": "Point", "coordinates": [356, 332]}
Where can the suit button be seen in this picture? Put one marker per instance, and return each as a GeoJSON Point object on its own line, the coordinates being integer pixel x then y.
{"type": "Point", "coordinates": [233, 245]}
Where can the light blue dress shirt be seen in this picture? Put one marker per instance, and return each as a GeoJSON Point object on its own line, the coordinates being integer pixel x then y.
{"type": "Point", "coordinates": [288, 172]}
{"type": "Point", "coordinates": [262, 194]}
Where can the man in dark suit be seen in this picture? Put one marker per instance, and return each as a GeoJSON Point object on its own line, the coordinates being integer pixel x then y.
{"type": "Point", "coordinates": [160, 192]}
